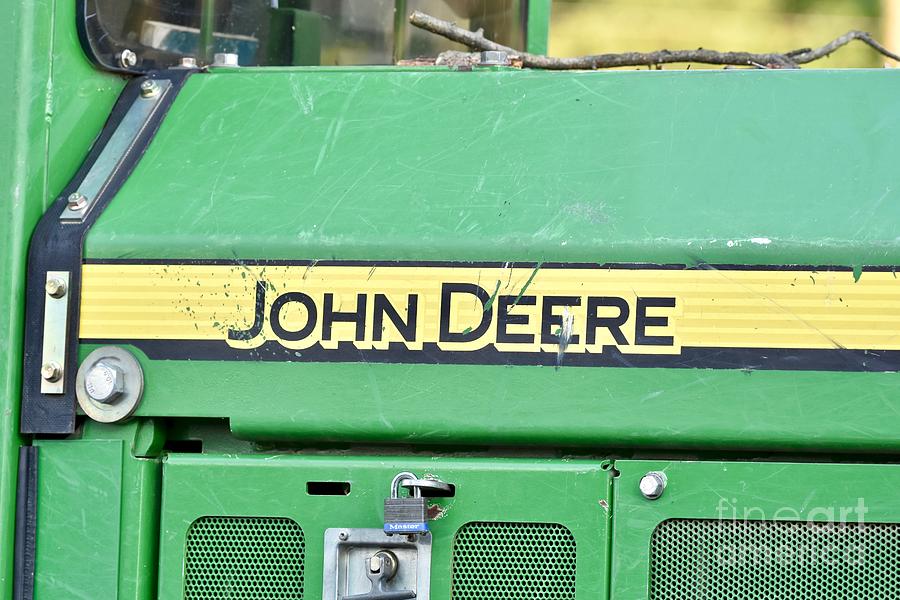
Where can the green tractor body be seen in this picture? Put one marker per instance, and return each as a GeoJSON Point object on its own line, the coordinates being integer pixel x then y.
{"type": "Point", "coordinates": [628, 334]}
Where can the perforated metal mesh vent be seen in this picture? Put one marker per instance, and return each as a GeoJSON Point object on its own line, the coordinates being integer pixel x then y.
{"type": "Point", "coordinates": [521, 561]}
{"type": "Point", "coordinates": [693, 558]}
{"type": "Point", "coordinates": [244, 558]}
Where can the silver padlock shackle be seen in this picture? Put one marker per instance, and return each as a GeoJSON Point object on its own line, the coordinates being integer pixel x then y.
{"type": "Point", "coordinates": [398, 479]}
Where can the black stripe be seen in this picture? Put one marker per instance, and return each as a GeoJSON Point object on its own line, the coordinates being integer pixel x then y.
{"type": "Point", "coordinates": [262, 262]}
{"type": "Point", "coordinates": [749, 359]}
{"type": "Point", "coordinates": [26, 525]}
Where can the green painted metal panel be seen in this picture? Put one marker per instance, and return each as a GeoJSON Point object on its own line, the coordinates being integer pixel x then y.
{"type": "Point", "coordinates": [573, 493]}
{"type": "Point", "coordinates": [52, 107]}
{"type": "Point", "coordinates": [743, 491]}
{"type": "Point", "coordinates": [98, 515]}
{"type": "Point", "coordinates": [734, 167]}
{"type": "Point", "coordinates": [79, 515]}
{"type": "Point", "coordinates": [516, 165]}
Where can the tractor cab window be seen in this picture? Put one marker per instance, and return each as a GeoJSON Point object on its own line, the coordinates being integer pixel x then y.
{"type": "Point", "coordinates": [152, 34]}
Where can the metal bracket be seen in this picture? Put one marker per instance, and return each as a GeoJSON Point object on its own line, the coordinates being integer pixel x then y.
{"type": "Point", "coordinates": [80, 202]}
{"type": "Point", "coordinates": [56, 320]}
{"type": "Point", "coordinates": [57, 246]}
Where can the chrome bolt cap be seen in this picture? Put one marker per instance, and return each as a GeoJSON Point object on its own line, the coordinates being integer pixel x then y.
{"type": "Point", "coordinates": [653, 484]}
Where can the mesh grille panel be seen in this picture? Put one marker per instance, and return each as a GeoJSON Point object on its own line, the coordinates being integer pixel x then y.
{"type": "Point", "coordinates": [694, 558]}
{"type": "Point", "coordinates": [524, 561]}
{"type": "Point", "coordinates": [244, 558]}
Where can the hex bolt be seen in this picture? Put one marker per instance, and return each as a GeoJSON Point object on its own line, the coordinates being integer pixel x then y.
{"type": "Point", "coordinates": [188, 62]}
{"type": "Point", "coordinates": [494, 58]}
{"type": "Point", "coordinates": [51, 371]}
{"type": "Point", "coordinates": [127, 59]}
{"type": "Point", "coordinates": [76, 201]}
{"type": "Point", "coordinates": [653, 484]}
{"type": "Point", "coordinates": [375, 564]}
{"type": "Point", "coordinates": [104, 382]}
{"type": "Point", "coordinates": [149, 88]}
{"type": "Point", "coordinates": [56, 288]}
{"type": "Point", "coordinates": [225, 59]}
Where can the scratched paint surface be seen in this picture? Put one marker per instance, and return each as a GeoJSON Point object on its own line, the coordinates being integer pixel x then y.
{"type": "Point", "coordinates": [723, 167]}
{"type": "Point", "coordinates": [719, 166]}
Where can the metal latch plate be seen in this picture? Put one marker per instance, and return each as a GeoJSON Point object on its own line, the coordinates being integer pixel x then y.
{"type": "Point", "coordinates": [347, 553]}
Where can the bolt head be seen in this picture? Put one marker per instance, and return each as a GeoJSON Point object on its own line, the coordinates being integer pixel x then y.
{"type": "Point", "coordinates": [374, 564]}
{"type": "Point", "coordinates": [494, 58]}
{"type": "Point", "coordinates": [76, 201]}
{"type": "Point", "coordinates": [653, 484]}
{"type": "Point", "coordinates": [104, 382]}
{"type": "Point", "coordinates": [188, 62]}
{"type": "Point", "coordinates": [127, 59]}
{"type": "Point", "coordinates": [149, 88]}
{"type": "Point", "coordinates": [225, 59]}
{"type": "Point", "coordinates": [56, 288]}
{"type": "Point", "coordinates": [51, 371]}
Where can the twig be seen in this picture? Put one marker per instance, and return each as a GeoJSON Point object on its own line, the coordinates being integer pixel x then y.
{"type": "Point", "coordinates": [791, 59]}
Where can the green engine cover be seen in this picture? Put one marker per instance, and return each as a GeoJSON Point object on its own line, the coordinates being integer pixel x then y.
{"type": "Point", "coordinates": [648, 194]}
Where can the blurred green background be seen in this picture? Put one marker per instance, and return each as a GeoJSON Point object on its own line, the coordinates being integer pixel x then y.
{"type": "Point", "coordinates": [597, 26]}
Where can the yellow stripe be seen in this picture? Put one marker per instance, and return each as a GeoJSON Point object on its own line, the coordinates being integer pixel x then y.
{"type": "Point", "coordinates": [713, 308]}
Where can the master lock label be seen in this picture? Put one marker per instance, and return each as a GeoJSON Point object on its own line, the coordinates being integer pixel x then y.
{"type": "Point", "coordinates": [738, 317]}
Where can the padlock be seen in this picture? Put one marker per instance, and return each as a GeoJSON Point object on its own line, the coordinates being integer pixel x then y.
{"type": "Point", "coordinates": [405, 515]}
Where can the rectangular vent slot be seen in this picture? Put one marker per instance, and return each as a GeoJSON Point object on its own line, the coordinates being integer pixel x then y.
{"type": "Point", "coordinates": [328, 488]}
{"type": "Point", "coordinates": [244, 557]}
{"type": "Point", "coordinates": [697, 558]}
{"type": "Point", "coordinates": [525, 561]}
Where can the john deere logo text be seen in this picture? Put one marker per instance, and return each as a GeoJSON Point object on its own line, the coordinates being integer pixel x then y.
{"type": "Point", "coordinates": [459, 315]}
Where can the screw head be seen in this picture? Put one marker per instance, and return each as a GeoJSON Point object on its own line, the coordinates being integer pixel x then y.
{"type": "Point", "coordinates": [104, 382]}
{"type": "Point", "coordinates": [343, 536]}
{"type": "Point", "coordinates": [494, 58]}
{"type": "Point", "coordinates": [127, 58]}
{"type": "Point", "coordinates": [149, 88]}
{"type": "Point", "coordinates": [56, 288]}
{"type": "Point", "coordinates": [76, 201]}
{"type": "Point", "coordinates": [51, 371]}
{"type": "Point", "coordinates": [653, 484]}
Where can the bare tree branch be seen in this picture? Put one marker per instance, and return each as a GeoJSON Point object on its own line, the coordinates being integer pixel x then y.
{"type": "Point", "coordinates": [791, 59]}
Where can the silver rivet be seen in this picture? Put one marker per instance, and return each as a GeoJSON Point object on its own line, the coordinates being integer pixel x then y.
{"type": "Point", "coordinates": [76, 201]}
{"type": "Point", "coordinates": [56, 288]}
{"type": "Point", "coordinates": [149, 88]}
{"type": "Point", "coordinates": [104, 382]}
{"type": "Point", "coordinates": [343, 536]}
{"type": "Point", "coordinates": [653, 484]}
{"type": "Point", "coordinates": [51, 371]}
{"type": "Point", "coordinates": [127, 58]}
{"type": "Point", "coordinates": [494, 58]}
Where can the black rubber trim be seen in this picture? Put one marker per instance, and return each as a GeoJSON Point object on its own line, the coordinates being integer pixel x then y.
{"type": "Point", "coordinates": [26, 525]}
{"type": "Point", "coordinates": [57, 246]}
{"type": "Point", "coordinates": [104, 50]}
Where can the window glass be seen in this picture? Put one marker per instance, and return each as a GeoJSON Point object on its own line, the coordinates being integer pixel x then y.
{"type": "Point", "coordinates": [284, 32]}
